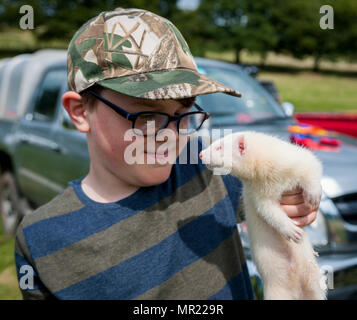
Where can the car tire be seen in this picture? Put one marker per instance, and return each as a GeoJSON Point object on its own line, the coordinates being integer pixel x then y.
{"type": "Point", "coordinates": [10, 206]}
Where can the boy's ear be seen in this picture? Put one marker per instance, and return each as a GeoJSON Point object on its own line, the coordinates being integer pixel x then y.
{"type": "Point", "coordinates": [73, 103]}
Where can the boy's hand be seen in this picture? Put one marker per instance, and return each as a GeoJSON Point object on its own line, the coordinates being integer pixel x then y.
{"type": "Point", "coordinates": [297, 208]}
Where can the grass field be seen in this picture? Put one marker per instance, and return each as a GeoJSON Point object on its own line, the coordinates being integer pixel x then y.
{"type": "Point", "coordinates": [8, 280]}
{"type": "Point", "coordinates": [314, 92]}
{"type": "Point", "coordinates": [285, 61]}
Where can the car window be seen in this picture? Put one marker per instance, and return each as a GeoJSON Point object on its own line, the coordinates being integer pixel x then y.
{"type": "Point", "coordinates": [13, 90]}
{"type": "Point", "coordinates": [255, 103]}
{"type": "Point", "coordinates": [47, 96]}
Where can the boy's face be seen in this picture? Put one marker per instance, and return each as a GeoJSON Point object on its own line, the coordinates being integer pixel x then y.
{"type": "Point", "coordinates": [105, 136]}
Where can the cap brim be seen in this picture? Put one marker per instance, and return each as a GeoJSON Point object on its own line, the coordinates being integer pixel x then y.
{"type": "Point", "coordinates": [167, 84]}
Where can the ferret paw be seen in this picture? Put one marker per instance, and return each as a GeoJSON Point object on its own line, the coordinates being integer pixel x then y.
{"type": "Point", "coordinates": [292, 232]}
{"type": "Point", "coordinates": [313, 197]}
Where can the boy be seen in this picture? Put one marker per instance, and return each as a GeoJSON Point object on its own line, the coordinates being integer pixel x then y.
{"type": "Point", "coordinates": [138, 231]}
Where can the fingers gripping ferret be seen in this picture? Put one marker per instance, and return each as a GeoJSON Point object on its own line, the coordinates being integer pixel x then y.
{"type": "Point", "coordinates": [272, 214]}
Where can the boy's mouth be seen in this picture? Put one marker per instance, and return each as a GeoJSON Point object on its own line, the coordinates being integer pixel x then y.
{"type": "Point", "coordinates": [157, 155]}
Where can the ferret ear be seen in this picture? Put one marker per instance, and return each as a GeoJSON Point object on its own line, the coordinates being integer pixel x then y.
{"type": "Point", "coordinates": [241, 145]}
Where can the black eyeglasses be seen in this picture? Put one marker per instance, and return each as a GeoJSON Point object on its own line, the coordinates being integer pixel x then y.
{"type": "Point", "coordinates": [147, 123]}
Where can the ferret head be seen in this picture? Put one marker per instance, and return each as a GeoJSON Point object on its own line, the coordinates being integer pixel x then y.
{"type": "Point", "coordinates": [231, 153]}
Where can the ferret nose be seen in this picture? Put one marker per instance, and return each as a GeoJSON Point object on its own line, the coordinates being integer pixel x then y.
{"type": "Point", "coordinates": [200, 155]}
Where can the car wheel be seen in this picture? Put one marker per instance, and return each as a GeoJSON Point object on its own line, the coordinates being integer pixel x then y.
{"type": "Point", "coordinates": [9, 203]}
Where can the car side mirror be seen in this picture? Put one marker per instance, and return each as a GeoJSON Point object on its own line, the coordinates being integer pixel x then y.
{"type": "Point", "coordinates": [288, 108]}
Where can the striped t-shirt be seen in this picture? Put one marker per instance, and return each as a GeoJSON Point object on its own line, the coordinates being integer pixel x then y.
{"type": "Point", "coordinates": [176, 240]}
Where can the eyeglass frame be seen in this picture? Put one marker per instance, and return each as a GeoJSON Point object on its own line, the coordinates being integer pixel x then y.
{"type": "Point", "coordinates": [133, 116]}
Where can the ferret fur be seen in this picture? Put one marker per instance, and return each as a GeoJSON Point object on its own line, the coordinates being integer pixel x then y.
{"type": "Point", "coordinates": [267, 167]}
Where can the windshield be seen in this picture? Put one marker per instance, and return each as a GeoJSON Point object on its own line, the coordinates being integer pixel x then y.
{"type": "Point", "coordinates": [255, 105]}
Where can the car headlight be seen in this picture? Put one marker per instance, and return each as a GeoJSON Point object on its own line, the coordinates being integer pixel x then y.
{"type": "Point", "coordinates": [316, 231]}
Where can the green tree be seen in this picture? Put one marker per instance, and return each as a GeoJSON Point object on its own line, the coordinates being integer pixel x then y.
{"type": "Point", "coordinates": [60, 19]}
{"type": "Point", "coordinates": [224, 24]}
{"type": "Point", "coordinates": [345, 32]}
{"type": "Point", "coordinates": [240, 24]}
{"type": "Point", "coordinates": [297, 24]}
{"type": "Point", "coordinates": [192, 26]}
{"type": "Point", "coordinates": [261, 36]}
{"type": "Point", "coordinates": [288, 27]}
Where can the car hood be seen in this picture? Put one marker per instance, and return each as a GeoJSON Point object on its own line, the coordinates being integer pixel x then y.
{"type": "Point", "coordinates": [339, 165]}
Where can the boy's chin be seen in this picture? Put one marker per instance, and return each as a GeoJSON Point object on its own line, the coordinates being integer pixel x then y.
{"type": "Point", "coordinates": [154, 175]}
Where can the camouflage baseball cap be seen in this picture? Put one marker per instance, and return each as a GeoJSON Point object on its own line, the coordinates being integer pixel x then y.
{"type": "Point", "coordinates": [137, 53]}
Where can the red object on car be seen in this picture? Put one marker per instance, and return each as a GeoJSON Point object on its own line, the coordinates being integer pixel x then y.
{"type": "Point", "coordinates": [340, 122]}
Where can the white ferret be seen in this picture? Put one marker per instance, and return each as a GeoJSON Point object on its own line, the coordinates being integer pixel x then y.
{"type": "Point", "coordinates": [267, 167]}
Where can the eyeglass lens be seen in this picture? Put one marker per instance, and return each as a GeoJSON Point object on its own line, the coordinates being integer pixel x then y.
{"type": "Point", "coordinates": [150, 124]}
